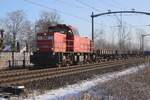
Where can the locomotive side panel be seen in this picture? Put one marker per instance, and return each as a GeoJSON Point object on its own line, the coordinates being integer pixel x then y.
{"type": "Point", "coordinates": [55, 42]}
{"type": "Point", "coordinates": [59, 42]}
{"type": "Point", "coordinates": [78, 44]}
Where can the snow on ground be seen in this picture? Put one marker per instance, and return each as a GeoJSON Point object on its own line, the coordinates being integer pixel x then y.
{"type": "Point", "coordinates": [1, 98]}
{"type": "Point", "coordinates": [76, 89]}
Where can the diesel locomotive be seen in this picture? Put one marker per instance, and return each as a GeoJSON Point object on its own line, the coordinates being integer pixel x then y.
{"type": "Point", "coordinates": [61, 45]}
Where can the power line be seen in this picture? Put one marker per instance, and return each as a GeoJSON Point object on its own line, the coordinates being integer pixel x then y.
{"type": "Point", "coordinates": [109, 4]}
{"type": "Point", "coordinates": [65, 13]}
{"type": "Point", "coordinates": [68, 4]}
{"type": "Point", "coordinates": [99, 4]}
{"type": "Point", "coordinates": [87, 5]}
{"type": "Point", "coordinates": [115, 2]}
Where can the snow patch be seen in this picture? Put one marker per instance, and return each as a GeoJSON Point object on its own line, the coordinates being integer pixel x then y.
{"type": "Point", "coordinates": [74, 90]}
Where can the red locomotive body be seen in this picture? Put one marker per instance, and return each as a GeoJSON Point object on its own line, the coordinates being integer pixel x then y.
{"type": "Point", "coordinates": [58, 42]}
{"type": "Point", "coordinates": [61, 44]}
{"type": "Point", "coordinates": [81, 44]}
{"type": "Point", "coordinates": [78, 44]}
{"type": "Point", "coordinates": [44, 42]}
{"type": "Point", "coordinates": [51, 42]}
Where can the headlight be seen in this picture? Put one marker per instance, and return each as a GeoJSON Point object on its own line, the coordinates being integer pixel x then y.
{"type": "Point", "coordinates": [31, 53]}
{"type": "Point", "coordinates": [37, 49]}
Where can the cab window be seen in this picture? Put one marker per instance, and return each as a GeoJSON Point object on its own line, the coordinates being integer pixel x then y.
{"type": "Point", "coordinates": [43, 37]}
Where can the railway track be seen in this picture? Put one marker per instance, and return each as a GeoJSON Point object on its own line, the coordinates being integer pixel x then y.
{"type": "Point", "coordinates": [15, 72]}
{"type": "Point", "coordinates": [4, 74]}
{"type": "Point", "coordinates": [22, 77]}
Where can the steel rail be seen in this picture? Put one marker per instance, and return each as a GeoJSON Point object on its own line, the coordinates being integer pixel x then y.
{"type": "Point", "coordinates": [22, 72]}
{"type": "Point", "coordinates": [43, 71]}
{"type": "Point", "coordinates": [40, 76]}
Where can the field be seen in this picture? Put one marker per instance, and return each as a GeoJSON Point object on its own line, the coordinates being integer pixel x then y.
{"type": "Point", "coordinates": [129, 87]}
{"type": "Point", "coordinates": [130, 84]}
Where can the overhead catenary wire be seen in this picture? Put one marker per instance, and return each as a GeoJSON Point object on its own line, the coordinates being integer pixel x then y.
{"type": "Point", "coordinates": [116, 2]}
{"type": "Point", "coordinates": [87, 5]}
{"type": "Point", "coordinates": [112, 3]}
{"type": "Point", "coordinates": [108, 3]}
{"type": "Point", "coordinates": [62, 12]}
{"type": "Point", "coordinates": [69, 4]}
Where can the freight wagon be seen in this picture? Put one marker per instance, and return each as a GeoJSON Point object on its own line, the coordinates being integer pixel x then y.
{"type": "Point", "coordinates": [147, 53]}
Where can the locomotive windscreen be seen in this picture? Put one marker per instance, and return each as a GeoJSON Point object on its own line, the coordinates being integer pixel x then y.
{"type": "Point", "coordinates": [57, 30]}
{"type": "Point", "coordinates": [44, 37]}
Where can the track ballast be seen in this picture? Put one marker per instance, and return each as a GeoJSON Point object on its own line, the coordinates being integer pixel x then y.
{"type": "Point", "coordinates": [21, 77]}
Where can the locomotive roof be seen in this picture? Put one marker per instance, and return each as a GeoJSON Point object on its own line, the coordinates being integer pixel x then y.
{"type": "Point", "coordinates": [66, 27]}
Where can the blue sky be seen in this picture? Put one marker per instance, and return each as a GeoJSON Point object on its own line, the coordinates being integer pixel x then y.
{"type": "Point", "coordinates": [82, 8]}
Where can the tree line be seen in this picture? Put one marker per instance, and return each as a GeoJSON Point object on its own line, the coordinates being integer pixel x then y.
{"type": "Point", "coordinates": [20, 31]}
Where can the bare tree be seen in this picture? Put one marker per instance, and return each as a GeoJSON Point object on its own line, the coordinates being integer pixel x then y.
{"type": "Point", "coordinates": [46, 19]}
{"type": "Point", "coordinates": [101, 42]}
{"type": "Point", "coordinates": [16, 26]}
{"type": "Point", "coordinates": [139, 33]}
{"type": "Point", "coordinates": [99, 39]}
{"type": "Point", "coordinates": [113, 38]}
{"type": "Point", "coordinates": [28, 36]}
{"type": "Point", "coordinates": [123, 33]}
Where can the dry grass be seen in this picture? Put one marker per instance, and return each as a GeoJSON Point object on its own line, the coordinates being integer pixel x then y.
{"type": "Point", "coordinates": [130, 87]}
{"type": "Point", "coordinates": [135, 86]}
